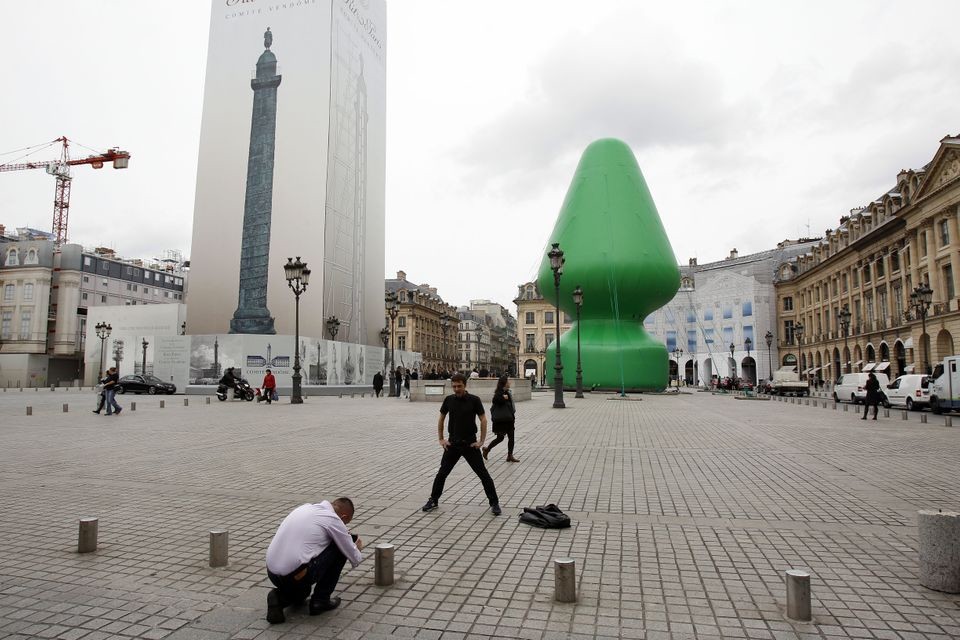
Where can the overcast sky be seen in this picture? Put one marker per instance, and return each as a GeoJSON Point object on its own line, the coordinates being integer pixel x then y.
{"type": "Point", "coordinates": [750, 120]}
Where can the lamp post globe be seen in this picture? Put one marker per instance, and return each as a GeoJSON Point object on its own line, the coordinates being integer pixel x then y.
{"type": "Point", "coordinates": [103, 332]}
{"type": "Point", "coordinates": [298, 277]}
{"type": "Point", "coordinates": [333, 327]}
{"type": "Point", "coordinates": [920, 300]}
{"type": "Point", "coordinates": [578, 301]}
{"type": "Point", "coordinates": [556, 265]}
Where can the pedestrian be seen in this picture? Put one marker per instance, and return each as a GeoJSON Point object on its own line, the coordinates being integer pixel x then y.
{"type": "Point", "coordinates": [378, 383]}
{"type": "Point", "coordinates": [872, 387]}
{"type": "Point", "coordinates": [101, 396]}
{"type": "Point", "coordinates": [463, 408]}
{"type": "Point", "coordinates": [474, 374]}
{"type": "Point", "coordinates": [310, 548]}
{"type": "Point", "coordinates": [397, 381]}
{"type": "Point", "coordinates": [406, 383]}
{"type": "Point", "coordinates": [269, 386]}
{"type": "Point", "coordinates": [110, 390]}
{"type": "Point", "coordinates": [502, 413]}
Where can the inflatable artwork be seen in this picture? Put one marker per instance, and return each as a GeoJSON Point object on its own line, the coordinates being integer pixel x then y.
{"type": "Point", "coordinates": [616, 250]}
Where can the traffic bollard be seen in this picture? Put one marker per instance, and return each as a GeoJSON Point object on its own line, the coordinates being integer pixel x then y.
{"type": "Point", "coordinates": [383, 565]}
{"type": "Point", "coordinates": [564, 580]}
{"type": "Point", "coordinates": [87, 538]}
{"type": "Point", "coordinates": [798, 594]}
{"type": "Point", "coordinates": [219, 539]}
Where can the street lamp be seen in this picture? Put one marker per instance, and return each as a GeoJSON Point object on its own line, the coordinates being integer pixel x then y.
{"type": "Point", "coordinates": [920, 301]}
{"type": "Point", "coordinates": [298, 276]}
{"type": "Point", "coordinates": [844, 317]}
{"type": "Point", "coordinates": [444, 328]}
{"type": "Point", "coordinates": [103, 332]}
{"type": "Point", "coordinates": [798, 332]}
{"type": "Point", "coordinates": [183, 328]}
{"type": "Point", "coordinates": [556, 265]}
{"type": "Point", "coordinates": [578, 300]}
{"type": "Point", "coordinates": [768, 337]}
{"type": "Point", "coordinates": [748, 343]}
{"type": "Point", "coordinates": [677, 354]}
{"type": "Point", "coordinates": [393, 311]}
{"type": "Point", "coordinates": [333, 326]}
{"type": "Point", "coordinates": [117, 353]}
{"type": "Point", "coordinates": [143, 367]}
{"type": "Point", "coordinates": [733, 363]}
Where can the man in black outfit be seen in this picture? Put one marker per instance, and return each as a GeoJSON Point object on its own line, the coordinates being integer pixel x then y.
{"type": "Point", "coordinates": [462, 408]}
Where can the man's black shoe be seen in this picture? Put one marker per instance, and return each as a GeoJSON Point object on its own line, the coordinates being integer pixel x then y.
{"type": "Point", "coordinates": [274, 607]}
{"type": "Point", "coordinates": [318, 607]}
{"type": "Point", "coordinates": [495, 509]}
{"type": "Point", "coordinates": [117, 412]}
{"type": "Point", "coordinates": [97, 412]}
{"type": "Point", "coordinates": [430, 506]}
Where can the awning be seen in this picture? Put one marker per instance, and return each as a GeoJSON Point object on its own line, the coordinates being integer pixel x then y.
{"type": "Point", "coordinates": [806, 371]}
{"type": "Point", "coordinates": [909, 368]}
{"type": "Point", "coordinates": [828, 365]}
{"type": "Point", "coordinates": [869, 367]}
{"type": "Point", "coordinates": [883, 366]}
{"type": "Point", "coordinates": [908, 343]}
{"type": "Point", "coordinates": [814, 370]}
{"type": "Point", "coordinates": [858, 363]}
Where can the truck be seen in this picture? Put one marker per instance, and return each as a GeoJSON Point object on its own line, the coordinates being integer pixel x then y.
{"type": "Point", "coordinates": [945, 388]}
{"type": "Point", "coordinates": [786, 381]}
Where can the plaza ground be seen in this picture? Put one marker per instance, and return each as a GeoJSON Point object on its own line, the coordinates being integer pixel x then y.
{"type": "Point", "coordinates": [686, 512]}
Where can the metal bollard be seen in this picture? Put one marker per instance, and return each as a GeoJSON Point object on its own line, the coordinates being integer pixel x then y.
{"type": "Point", "coordinates": [947, 421]}
{"type": "Point", "coordinates": [162, 404]}
{"type": "Point", "coordinates": [903, 415]}
{"type": "Point", "coordinates": [66, 408]}
{"type": "Point", "coordinates": [798, 594]}
{"type": "Point", "coordinates": [564, 580]}
{"type": "Point", "coordinates": [886, 413]}
{"type": "Point", "coordinates": [87, 538]}
{"type": "Point", "coordinates": [383, 565]}
{"type": "Point", "coordinates": [52, 388]}
{"type": "Point", "coordinates": [186, 402]}
{"type": "Point", "coordinates": [208, 399]}
{"type": "Point", "coordinates": [29, 411]}
{"type": "Point", "coordinates": [846, 407]}
{"type": "Point", "coordinates": [923, 418]}
{"type": "Point", "coordinates": [218, 547]}
{"type": "Point", "coordinates": [133, 406]}
{"type": "Point", "coordinates": [834, 406]}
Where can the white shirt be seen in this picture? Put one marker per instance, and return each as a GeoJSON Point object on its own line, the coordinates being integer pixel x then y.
{"type": "Point", "coordinates": [304, 534]}
{"type": "Point", "coordinates": [474, 374]}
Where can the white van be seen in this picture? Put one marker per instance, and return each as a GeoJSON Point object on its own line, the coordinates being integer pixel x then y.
{"type": "Point", "coordinates": [851, 386]}
{"type": "Point", "coordinates": [911, 391]}
{"type": "Point", "coordinates": [945, 388]}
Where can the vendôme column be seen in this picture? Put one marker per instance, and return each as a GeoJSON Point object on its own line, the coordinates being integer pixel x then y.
{"type": "Point", "coordinates": [252, 315]}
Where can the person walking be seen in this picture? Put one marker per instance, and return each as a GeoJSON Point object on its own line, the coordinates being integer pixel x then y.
{"type": "Point", "coordinates": [378, 383]}
{"type": "Point", "coordinates": [502, 412]}
{"type": "Point", "coordinates": [463, 408]}
{"type": "Point", "coordinates": [406, 384]}
{"type": "Point", "coordinates": [874, 396]}
{"type": "Point", "coordinates": [101, 396]}
{"type": "Point", "coordinates": [110, 390]}
{"type": "Point", "coordinates": [269, 386]}
{"type": "Point", "coordinates": [397, 381]}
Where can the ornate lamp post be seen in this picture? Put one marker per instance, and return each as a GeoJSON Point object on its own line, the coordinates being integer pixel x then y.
{"type": "Point", "coordinates": [143, 367]}
{"type": "Point", "coordinates": [103, 332]}
{"type": "Point", "coordinates": [479, 333]}
{"type": "Point", "coordinates": [183, 328]}
{"type": "Point", "coordinates": [117, 353]}
{"type": "Point", "coordinates": [920, 301]}
{"type": "Point", "coordinates": [677, 354]}
{"type": "Point", "coordinates": [768, 337]}
{"type": "Point", "coordinates": [393, 311]}
{"type": "Point", "coordinates": [748, 343]}
{"type": "Point", "coordinates": [444, 328]}
{"type": "Point", "coordinates": [298, 276]}
{"type": "Point", "coordinates": [556, 265]}
{"type": "Point", "coordinates": [333, 326]}
{"type": "Point", "coordinates": [798, 333]}
{"type": "Point", "coordinates": [578, 300]}
{"type": "Point", "coordinates": [733, 363]}
{"type": "Point", "coordinates": [843, 316]}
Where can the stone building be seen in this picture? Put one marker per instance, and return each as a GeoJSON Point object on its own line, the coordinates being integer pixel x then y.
{"type": "Point", "coordinates": [536, 329]}
{"type": "Point", "coordinates": [869, 267]}
{"type": "Point", "coordinates": [425, 323]}
{"type": "Point", "coordinates": [487, 337]}
{"type": "Point", "coordinates": [45, 295]}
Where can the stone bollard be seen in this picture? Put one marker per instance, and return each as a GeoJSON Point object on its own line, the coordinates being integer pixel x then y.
{"type": "Point", "coordinates": [52, 388]}
{"type": "Point", "coordinates": [87, 539]}
{"type": "Point", "coordinates": [162, 404]}
{"type": "Point", "coordinates": [939, 537]}
{"type": "Point", "coordinates": [133, 406]}
{"type": "Point", "coordinates": [219, 539]}
{"type": "Point", "coordinates": [66, 408]}
{"type": "Point", "coordinates": [923, 418]}
{"type": "Point", "coordinates": [186, 402]}
{"type": "Point", "coordinates": [903, 414]}
{"type": "Point", "coordinates": [798, 594]}
{"type": "Point", "coordinates": [29, 411]}
{"type": "Point", "coordinates": [947, 421]}
{"type": "Point", "coordinates": [383, 565]}
{"type": "Point", "coordinates": [208, 399]}
{"type": "Point", "coordinates": [886, 413]}
{"type": "Point", "coordinates": [846, 407]}
{"type": "Point", "coordinates": [834, 406]}
{"type": "Point", "coordinates": [565, 580]}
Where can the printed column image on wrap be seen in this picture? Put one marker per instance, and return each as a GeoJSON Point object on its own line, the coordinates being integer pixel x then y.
{"type": "Point", "coordinates": [616, 249]}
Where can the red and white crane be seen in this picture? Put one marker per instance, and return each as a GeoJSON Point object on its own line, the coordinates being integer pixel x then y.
{"type": "Point", "coordinates": [60, 169]}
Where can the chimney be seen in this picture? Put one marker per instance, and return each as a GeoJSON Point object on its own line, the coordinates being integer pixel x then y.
{"type": "Point", "coordinates": [693, 262]}
{"type": "Point", "coordinates": [733, 254]}
{"type": "Point", "coordinates": [433, 290]}
{"type": "Point", "coordinates": [401, 275]}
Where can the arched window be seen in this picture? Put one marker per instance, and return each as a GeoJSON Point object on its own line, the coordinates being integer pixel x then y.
{"type": "Point", "coordinates": [13, 259]}
{"type": "Point", "coordinates": [31, 257]}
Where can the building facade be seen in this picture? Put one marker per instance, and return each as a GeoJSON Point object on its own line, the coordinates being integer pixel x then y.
{"type": "Point", "coordinates": [852, 293]}
{"type": "Point", "coordinates": [536, 329]}
{"type": "Point", "coordinates": [495, 346]}
{"type": "Point", "coordinates": [424, 323]}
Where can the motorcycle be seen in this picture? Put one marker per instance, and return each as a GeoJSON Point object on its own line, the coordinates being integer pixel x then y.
{"type": "Point", "coordinates": [241, 389]}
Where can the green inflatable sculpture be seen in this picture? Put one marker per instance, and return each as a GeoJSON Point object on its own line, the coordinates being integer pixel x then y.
{"type": "Point", "coordinates": [616, 249]}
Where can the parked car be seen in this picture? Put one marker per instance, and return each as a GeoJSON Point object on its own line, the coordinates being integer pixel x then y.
{"type": "Point", "coordinates": [911, 390]}
{"type": "Point", "coordinates": [945, 388]}
{"type": "Point", "coordinates": [852, 387]}
{"type": "Point", "coordinates": [145, 384]}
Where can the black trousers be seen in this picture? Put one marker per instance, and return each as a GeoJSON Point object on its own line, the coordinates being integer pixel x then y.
{"type": "Point", "coordinates": [866, 408]}
{"type": "Point", "coordinates": [323, 571]}
{"type": "Point", "coordinates": [503, 429]}
{"type": "Point", "coordinates": [475, 459]}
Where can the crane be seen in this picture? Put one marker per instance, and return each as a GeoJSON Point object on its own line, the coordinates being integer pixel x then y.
{"type": "Point", "coordinates": [60, 169]}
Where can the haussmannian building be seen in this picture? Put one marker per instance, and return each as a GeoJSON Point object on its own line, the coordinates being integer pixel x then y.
{"type": "Point", "coordinates": [425, 324]}
{"type": "Point", "coordinates": [869, 266]}
{"type": "Point", "coordinates": [536, 329]}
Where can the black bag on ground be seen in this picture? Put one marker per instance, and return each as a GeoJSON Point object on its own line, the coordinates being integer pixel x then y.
{"type": "Point", "coordinates": [546, 517]}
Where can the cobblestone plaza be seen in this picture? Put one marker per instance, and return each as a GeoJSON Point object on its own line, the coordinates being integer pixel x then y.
{"type": "Point", "coordinates": [686, 512]}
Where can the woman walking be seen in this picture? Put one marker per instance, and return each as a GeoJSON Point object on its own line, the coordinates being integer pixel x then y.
{"type": "Point", "coordinates": [874, 396]}
{"type": "Point", "coordinates": [503, 412]}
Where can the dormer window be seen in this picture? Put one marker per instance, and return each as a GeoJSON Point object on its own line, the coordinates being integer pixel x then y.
{"type": "Point", "coordinates": [31, 257]}
{"type": "Point", "coordinates": [13, 260]}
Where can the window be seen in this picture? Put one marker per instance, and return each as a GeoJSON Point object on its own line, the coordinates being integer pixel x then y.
{"type": "Point", "coordinates": [529, 318]}
{"type": "Point", "coordinates": [548, 317]}
{"type": "Point", "coordinates": [855, 275]}
{"type": "Point", "coordinates": [708, 335]}
{"type": "Point", "coordinates": [402, 343]}
{"type": "Point", "coordinates": [86, 261]}
{"type": "Point", "coordinates": [6, 319]}
{"type": "Point", "coordinates": [923, 243]}
{"type": "Point", "coordinates": [944, 232]}
{"type": "Point", "coordinates": [12, 259]}
{"type": "Point", "coordinates": [692, 340]}
{"type": "Point", "coordinates": [894, 261]}
{"type": "Point", "coordinates": [866, 273]}
{"type": "Point", "coordinates": [25, 317]}
{"type": "Point", "coordinates": [566, 318]}
{"type": "Point", "coordinates": [868, 302]}
{"type": "Point", "coordinates": [8, 291]}
{"type": "Point", "coordinates": [843, 282]}
{"type": "Point", "coordinates": [547, 339]}
{"type": "Point", "coordinates": [668, 313]}
{"type": "Point", "coordinates": [146, 291]}
{"type": "Point", "coordinates": [788, 303]}
{"type": "Point", "coordinates": [727, 312]}
{"type": "Point", "coordinates": [83, 296]}
{"type": "Point", "coordinates": [882, 302]}
{"type": "Point", "coordinates": [671, 340]}
{"type": "Point", "coordinates": [531, 344]}
{"type": "Point", "coordinates": [129, 287]}
{"type": "Point", "coordinates": [135, 288]}
{"type": "Point", "coordinates": [31, 257]}
{"type": "Point", "coordinates": [402, 321]}
{"type": "Point", "coordinates": [28, 292]}
{"type": "Point", "coordinates": [691, 315]}
{"type": "Point", "coordinates": [897, 301]}
{"type": "Point", "coordinates": [747, 308]}
{"type": "Point", "coordinates": [880, 269]}
{"type": "Point", "coordinates": [103, 299]}
{"type": "Point", "coordinates": [948, 282]}
{"type": "Point", "coordinates": [727, 336]}
{"type": "Point", "coordinates": [86, 279]}
{"type": "Point", "coordinates": [104, 282]}
{"type": "Point", "coordinates": [708, 314]}
{"type": "Point", "coordinates": [788, 331]}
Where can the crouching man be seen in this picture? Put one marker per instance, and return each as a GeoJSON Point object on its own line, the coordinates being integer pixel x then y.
{"type": "Point", "coordinates": [310, 548]}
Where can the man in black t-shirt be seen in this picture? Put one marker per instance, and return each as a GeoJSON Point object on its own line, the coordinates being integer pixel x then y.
{"type": "Point", "coordinates": [462, 408]}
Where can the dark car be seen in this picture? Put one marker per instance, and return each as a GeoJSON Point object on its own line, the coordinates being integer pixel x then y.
{"type": "Point", "coordinates": [145, 384]}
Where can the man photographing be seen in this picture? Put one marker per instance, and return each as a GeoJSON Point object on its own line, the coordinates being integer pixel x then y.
{"type": "Point", "coordinates": [310, 547]}
{"type": "Point", "coordinates": [463, 408]}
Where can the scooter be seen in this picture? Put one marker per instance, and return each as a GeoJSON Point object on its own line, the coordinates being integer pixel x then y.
{"type": "Point", "coordinates": [241, 389]}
